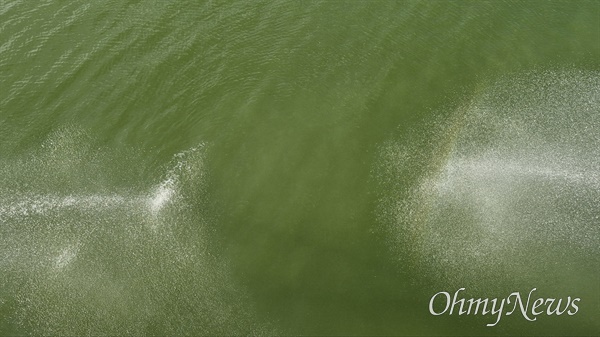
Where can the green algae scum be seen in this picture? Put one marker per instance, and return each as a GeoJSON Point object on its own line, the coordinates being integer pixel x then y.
{"type": "Point", "coordinates": [276, 167]}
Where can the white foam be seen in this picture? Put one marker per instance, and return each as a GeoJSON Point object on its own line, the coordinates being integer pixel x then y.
{"type": "Point", "coordinates": [40, 205]}
{"type": "Point", "coordinates": [67, 256]}
{"type": "Point", "coordinates": [122, 257]}
{"type": "Point", "coordinates": [519, 173]}
{"type": "Point", "coordinates": [185, 164]}
{"type": "Point", "coordinates": [161, 196]}
{"type": "Point", "coordinates": [17, 205]}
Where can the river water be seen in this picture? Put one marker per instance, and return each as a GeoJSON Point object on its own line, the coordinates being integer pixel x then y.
{"type": "Point", "coordinates": [296, 167]}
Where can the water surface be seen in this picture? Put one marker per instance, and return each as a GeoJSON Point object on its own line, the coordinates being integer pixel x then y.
{"type": "Point", "coordinates": [295, 167]}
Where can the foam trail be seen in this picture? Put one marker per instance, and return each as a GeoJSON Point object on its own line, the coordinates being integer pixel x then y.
{"type": "Point", "coordinates": [26, 205]}
{"type": "Point", "coordinates": [493, 168]}
{"type": "Point", "coordinates": [32, 205]}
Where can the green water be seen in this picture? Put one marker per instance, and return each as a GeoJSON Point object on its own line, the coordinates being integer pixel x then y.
{"type": "Point", "coordinates": [255, 167]}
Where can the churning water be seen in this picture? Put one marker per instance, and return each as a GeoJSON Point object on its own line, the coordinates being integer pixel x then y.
{"type": "Point", "coordinates": [295, 167]}
{"type": "Point", "coordinates": [96, 261]}
{"type": "Point", "coordinates": [510, 179]}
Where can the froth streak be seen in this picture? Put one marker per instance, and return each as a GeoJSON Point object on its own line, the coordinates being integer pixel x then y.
{"type": "Point", "coordinates": [31, 205]}
{"type": "Point", "coordinates": [42, 205]}
{"type": "Point", "coordinates": [161, 196]}
{"type": "Point", "coordinates": [488, 168]}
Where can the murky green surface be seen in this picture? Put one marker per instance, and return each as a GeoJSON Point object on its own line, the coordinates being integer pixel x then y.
{"type": "Point", "coordinates": [296, 167]}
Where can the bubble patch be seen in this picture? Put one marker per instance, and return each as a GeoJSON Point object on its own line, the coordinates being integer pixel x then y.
{"type": "Point", "coordinates": [505, 190]}
{"type": "Point", "coordinates": [81, 255]}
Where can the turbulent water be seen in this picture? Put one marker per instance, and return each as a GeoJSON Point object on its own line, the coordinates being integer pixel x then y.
{"type": "Point", "coordinates": [82, 258]}
{"type": "Point", "coordinates": [512, 181]}
{"type": "Point", "coordinates": [296, 167]}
